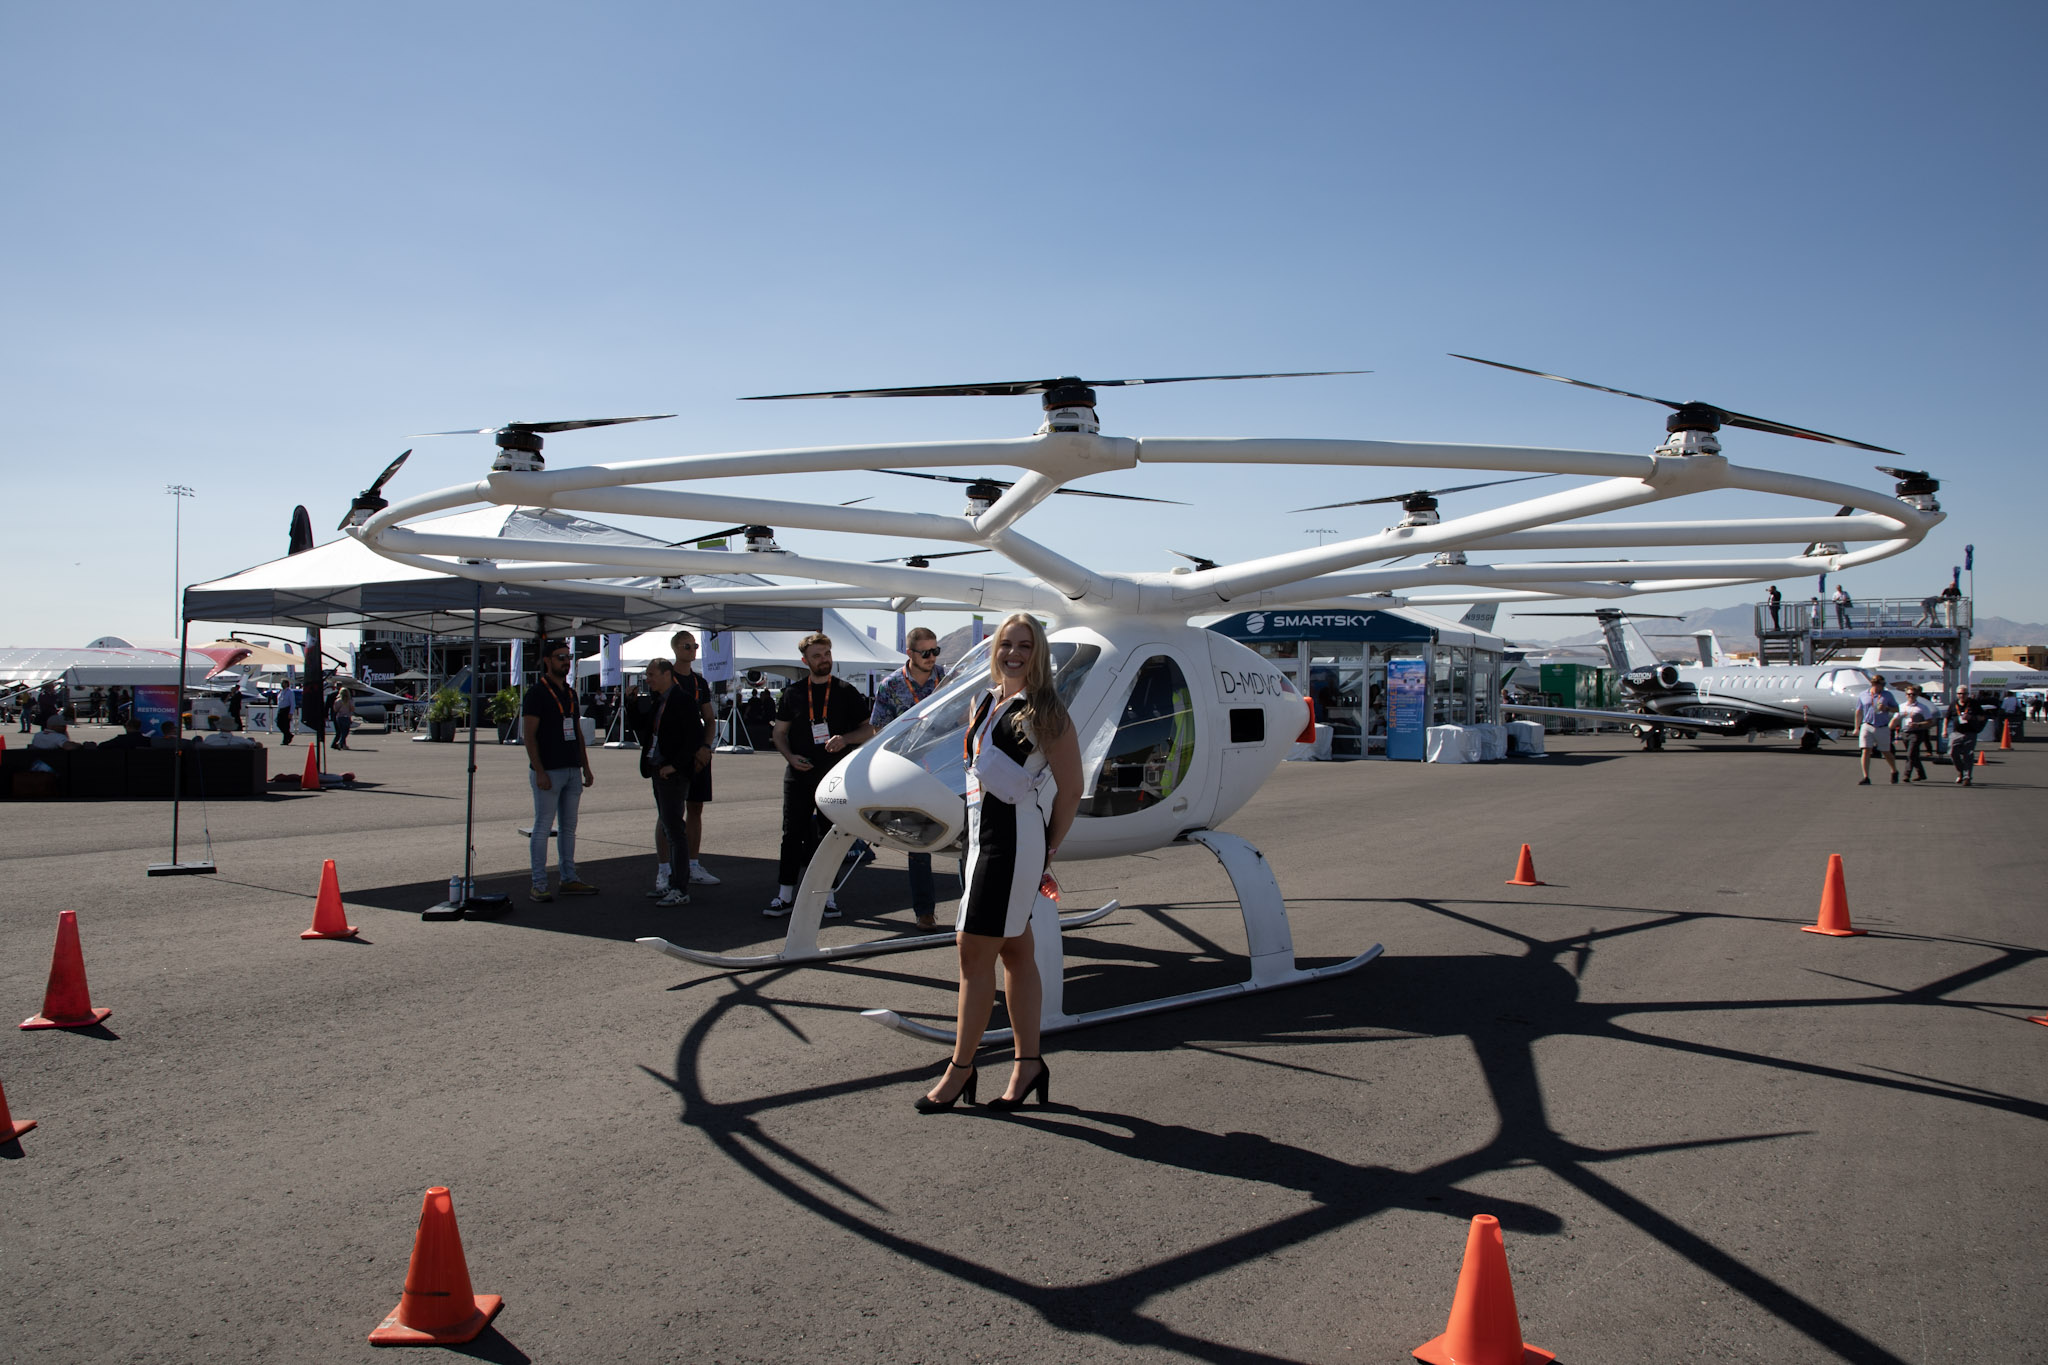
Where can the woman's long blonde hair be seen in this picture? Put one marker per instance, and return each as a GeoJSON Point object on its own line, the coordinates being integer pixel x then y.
{"type": "Point", "coordinates": [1043, 711]}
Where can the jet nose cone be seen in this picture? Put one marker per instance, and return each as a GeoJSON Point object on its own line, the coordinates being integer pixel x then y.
{"type": "Point", "coordinates": [885, 797]}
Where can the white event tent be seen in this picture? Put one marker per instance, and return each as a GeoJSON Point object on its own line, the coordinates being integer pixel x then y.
{"type": "Point", "coordinates": [854, 655]}
{"type": "Point", "coordinates": [344, 585]}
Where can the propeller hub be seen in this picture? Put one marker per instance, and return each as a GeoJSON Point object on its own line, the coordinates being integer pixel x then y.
{"type": "Point", "coordinates": [761, 540]}
{"type": "Point", "coordinates": [1689, 441]}
{"type": "Point", "coordinates": [365, 506]}
{"type": "Point", "coordinates": [1068, 393]}
{"type": "Point", "coordinates": [1694, 417]}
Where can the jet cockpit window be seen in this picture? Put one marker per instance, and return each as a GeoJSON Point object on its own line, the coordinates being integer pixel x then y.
{"type": "Point", "coordinates": [1140, 762]}
{"type": "Point", "coordinates": [929, 734]}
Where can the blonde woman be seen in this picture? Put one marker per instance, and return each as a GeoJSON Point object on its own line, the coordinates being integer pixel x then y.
{"type": "Point", "coordinates": [1023, 789]}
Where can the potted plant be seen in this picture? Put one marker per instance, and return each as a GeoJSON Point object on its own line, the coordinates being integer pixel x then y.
{"type": "Point", "coordinates": [444, 712]}
{"type": "Point", "coordinates": [505, 711]}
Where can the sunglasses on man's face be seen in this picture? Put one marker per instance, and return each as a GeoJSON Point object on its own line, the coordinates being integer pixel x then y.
{"type": "Point", "coordinates": [558, 657]}
{"type": "Point", "coordinates": [926, 653]}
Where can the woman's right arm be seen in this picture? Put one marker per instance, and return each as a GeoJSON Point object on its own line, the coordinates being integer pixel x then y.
{"type": "Point", "coordinates": [1063, 756]}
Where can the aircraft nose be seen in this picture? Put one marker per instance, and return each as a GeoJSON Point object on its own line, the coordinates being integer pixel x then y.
{"type": "Point", "coordinates": [885, 797]}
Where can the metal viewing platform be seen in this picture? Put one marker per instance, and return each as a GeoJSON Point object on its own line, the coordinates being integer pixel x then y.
{"type": "Point", "coordinates": [1815, 632]}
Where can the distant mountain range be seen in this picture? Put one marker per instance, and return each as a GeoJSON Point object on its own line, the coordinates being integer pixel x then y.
{"type": "Point", "coordinates": [1736, 629]}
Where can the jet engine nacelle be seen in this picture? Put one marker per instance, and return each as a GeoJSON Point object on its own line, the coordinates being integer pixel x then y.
{"type": "Point", "coordinates": [1178, 727]}
{"type": "Point", "coordinates": [1660, 679]}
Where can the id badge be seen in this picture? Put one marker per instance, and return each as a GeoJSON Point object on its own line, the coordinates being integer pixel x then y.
{"type": "Point", "coordinates": [820, 732]}
{"type": "Point", "coordinates": [568, 729]}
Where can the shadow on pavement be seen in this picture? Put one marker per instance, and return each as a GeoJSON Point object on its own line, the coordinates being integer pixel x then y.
{"type": "Point", "coordinates": [1528, 997]}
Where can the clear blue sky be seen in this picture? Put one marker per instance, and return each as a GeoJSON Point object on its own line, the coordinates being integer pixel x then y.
{"type": "Point", "coordinates": [250, 247]}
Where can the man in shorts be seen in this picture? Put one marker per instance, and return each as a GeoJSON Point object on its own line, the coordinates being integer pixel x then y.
{"type": "Point", "coordinates": [1875, 712]}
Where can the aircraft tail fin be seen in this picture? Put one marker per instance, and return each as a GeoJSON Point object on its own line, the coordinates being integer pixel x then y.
{"type": "Point", "coordinates": [1626, 647]}
{"type": "Point", "coordinates": [1480, 616]}
{"type": "Point", "coordinates": [1710, 647]}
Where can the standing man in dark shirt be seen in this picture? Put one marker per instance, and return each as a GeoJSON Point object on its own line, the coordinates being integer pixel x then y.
{"type": "Point", "coordinates": [820, 719]}
{"type": "Point", "coordinates": [554, 755]}
{"type": "Point", "coordinates": [919, 677]}
{"type": "Point", "coordinates": [668, 758]}
{"type": "Point", "coordinates": [1772, 597]}
{"type": "Point", "coordinates": [683, 645]}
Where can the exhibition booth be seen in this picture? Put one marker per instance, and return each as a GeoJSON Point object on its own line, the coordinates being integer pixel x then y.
{"type": "Point", "coordinates": [1380, 678]}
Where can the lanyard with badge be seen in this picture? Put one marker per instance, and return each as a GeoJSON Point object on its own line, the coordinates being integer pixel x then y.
{"type": "Point", "coordinates": [820, 729]}
{"type": "Point", "coordinates": [930, 685]}
{"type": "Point", "coordinates": [568, 720]}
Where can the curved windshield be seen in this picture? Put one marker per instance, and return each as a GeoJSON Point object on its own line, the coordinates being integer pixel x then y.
{"type": "Point", "coordinates": [1137, 764]}
{"type": "Point", "coordinates": [929, 733]}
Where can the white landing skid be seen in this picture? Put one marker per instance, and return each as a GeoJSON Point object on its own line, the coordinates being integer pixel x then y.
{"type": "Point", "coordinates": [1266, 933]}
{"type": "Point", "coordinates": [801, 943]}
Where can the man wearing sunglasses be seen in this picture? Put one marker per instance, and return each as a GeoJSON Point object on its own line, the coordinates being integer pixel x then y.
{"type": "Point", "coordinates": [919, 677]}
{"type": "Point", "coordinates": [553, 727]}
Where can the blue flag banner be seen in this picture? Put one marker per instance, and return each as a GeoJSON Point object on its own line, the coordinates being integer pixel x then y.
{"type": "Point", "coordinates": [1970, 557]}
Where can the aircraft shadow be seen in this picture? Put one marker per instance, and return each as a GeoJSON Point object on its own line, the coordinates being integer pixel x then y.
{"type": "Point", "coordinates": [1530, 996]}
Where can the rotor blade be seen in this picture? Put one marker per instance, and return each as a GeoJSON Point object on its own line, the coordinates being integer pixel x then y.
{"type": "Point", "coordinates": [1202, 378]}
{"type": "Point", "coordinates": [1427, 493]}
{"type": "Point", "coordinates": [710, 535]}
{"type": "Point", "coordinates": [385, 477]}
{"type": "Point", "coordinates": [1193, 559]}
{"type": "Point", "coordinates": [1902, 473]}
{"type": "Point", "coordinates": [1565, 379]}
{"type": "Point", "coordinates": [1736, 419]}
{"type": "Point", "coordinates": [1632, 615]}
{"type": "Point", "coordinates": [1121, 497]}
{"type": "Point", "coordinates": [947, 554]}
{"type": "Point", "coordinates": [939, 478]}
{"type": "Point", "coordinates": [1011, 388]}
{"type": "Point", "coordinates": [546, 428]}
{"type": "Point", "coordinates": [1005, 483]}
{"type": "Point", "coordinates": [1490, 483]}
{"type": "Point", "coordinates": [1359, 502]}
{"type": "Point", "coordinates": [1727, 418]}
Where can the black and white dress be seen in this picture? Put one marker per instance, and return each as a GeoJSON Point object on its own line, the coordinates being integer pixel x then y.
{"type": "Point", "coordinates": [1009, 804]}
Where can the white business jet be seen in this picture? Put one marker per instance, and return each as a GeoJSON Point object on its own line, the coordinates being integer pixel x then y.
{"type": "Point", "coordinates": [1714, 697]}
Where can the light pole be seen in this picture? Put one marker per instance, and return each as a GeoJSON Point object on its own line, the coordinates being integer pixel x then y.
{"type": "Point", "coordinates": [1319, 532]}
{"type": "Point", "coordinates": [178, 492]}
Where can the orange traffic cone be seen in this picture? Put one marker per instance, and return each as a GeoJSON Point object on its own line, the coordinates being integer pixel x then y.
{"type": "Point", "coordinates": [10, 1127]}
{"type": "Point", "coordinates": [1834, 904]}
{"type": "Point", "coordinates": [311, 781]}
{"type": "Point", "coordinates": [67, 1003]}
{"type": "Point", "coordinates": [437, 1308]}
{"type": "Point", "coordinates": [1525, 871]}
{"type": "Point", "coordinates": [1980, 758]}
{"type": "Point", "coordinates": [2005, 736]}
{"type": "Point", "coordinates": [1484, 1328]}
{"type": "Point", "coordinates": [2032, 1019]}
{"type": "Point", "coordinates": [328, 919]}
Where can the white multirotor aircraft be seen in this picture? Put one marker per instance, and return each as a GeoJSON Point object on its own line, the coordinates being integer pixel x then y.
{"type": "Point", "coordinates": [1179, 726]}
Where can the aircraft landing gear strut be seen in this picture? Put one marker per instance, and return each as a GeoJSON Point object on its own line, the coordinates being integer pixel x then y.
{"type": "Point", "coordinates": [1267, 935]}
{"type": "Point", "coordinates": [800, 944]}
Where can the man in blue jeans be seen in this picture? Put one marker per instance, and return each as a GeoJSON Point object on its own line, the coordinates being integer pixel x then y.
{"type": "Point", "coordinates": [919, 677]}
{"type": "Point", "coordinates": [560, 768]}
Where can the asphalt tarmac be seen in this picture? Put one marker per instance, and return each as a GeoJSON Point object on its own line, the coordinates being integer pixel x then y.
{"type": "Point", "coordinates": [1707, 1135]}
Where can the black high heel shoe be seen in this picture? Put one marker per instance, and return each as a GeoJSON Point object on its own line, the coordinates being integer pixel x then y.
{"type": "Point", "coordinates": [1041, 1085]}
{"type": "Point", "coordinates": [927, 1105]}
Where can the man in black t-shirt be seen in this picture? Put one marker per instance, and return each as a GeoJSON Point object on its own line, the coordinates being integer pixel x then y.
{"type": "Point", "coordinates": [553, 728]}
{"type": "Point", "coordinates": [819, 720]}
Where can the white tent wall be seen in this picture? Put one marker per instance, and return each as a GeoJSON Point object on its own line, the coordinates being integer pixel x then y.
{"type": "Point", "coordinates": [854, 655]}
